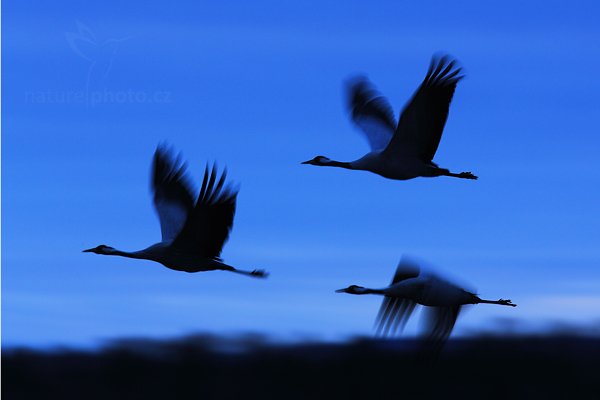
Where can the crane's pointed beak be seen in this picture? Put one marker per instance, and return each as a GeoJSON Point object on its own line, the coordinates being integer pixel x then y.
{"type": "Point", "coordinates": [306, 162]}
{"type": "Point", "coordinates": [88, 251]}
{"type": "Point", "coordinates": [341, 290]}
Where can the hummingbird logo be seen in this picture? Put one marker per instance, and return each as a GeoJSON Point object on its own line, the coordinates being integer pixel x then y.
{"type": "Point", "coordinates": [99, 54]}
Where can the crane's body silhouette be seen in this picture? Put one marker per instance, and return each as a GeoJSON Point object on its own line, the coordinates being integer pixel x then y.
{"type": "Point", "coordinates": [193, 231]}
{"type": "Point", "coordinates": [409, 288]}
{"type": "Point", "coordinates": [403, 150]}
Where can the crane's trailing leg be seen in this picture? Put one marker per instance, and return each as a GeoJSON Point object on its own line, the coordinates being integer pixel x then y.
{"type": "Point", "coordinates": [259, 273]}
{"type": "Point", "coordinates": [256, 273]}
{"type": "Point", "coordinates": [463, 175]}
{"type": "Point", "coordinates": [501, 302]}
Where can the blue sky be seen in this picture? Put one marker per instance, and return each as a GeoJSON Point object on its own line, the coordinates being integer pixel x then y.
{"type": "Point", "coordinates": [90, 89]}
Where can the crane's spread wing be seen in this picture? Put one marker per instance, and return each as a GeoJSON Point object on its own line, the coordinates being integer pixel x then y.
{"type": "Point", "coordinates": [439, 322]}
{"type": "Point", "coordinates": [406, 269]}
{"type": "Point", "coordinates": [209, 223]}
{"type": "Point", "coordinates": [394, 312]}
{"type": "Point", "coordinates": [422, 121]}
{"type": "Point", "coordinates": [173, 199]}
{"type": "Point", "coordinates": [393, 315]}
{"type": "Point", "coordinates": [372, 113]}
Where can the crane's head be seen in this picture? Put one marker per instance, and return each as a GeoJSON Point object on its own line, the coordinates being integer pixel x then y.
{"type": "Point", "coordinates": [353, 289]}
{"type": "Point", "coordinates": [102, 249]}
{"type": "Point", "coordinates": [318, 160]}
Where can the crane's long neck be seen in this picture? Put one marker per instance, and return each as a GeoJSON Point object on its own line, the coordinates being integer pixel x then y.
{"type": "Point", "coordinates": [373, 291]}
{"type": "Point", "coordinates": [333, 163]}
{"type": "Point", "coordinates": [339, 164]}
{"type": "Point", "coordinates": [364, 290]}
{"type": "Point", "coordinates": [129, 254]}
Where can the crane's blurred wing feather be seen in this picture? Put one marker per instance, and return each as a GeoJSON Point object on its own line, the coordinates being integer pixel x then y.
{"type": "Point", "coordinates": [173, 199]}
{"type": "Point", "coordinates": [439, 322]}
{"type": "Point", "coordinates": [422, 121]}
{"type": "Point", "coordinates": [372, 113]}
{"type": "Point", "coordinates": [395, 312]}
{"type": "Point", "coordinates": [406, 269]}
{"type": "Point", "coordinates": [393, 315]}
{"type": "Point", "coordinates": [208, 225]}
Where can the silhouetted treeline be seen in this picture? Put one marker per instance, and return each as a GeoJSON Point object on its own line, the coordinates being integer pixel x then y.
{"type": "Point", "coordinates": [203, 367]}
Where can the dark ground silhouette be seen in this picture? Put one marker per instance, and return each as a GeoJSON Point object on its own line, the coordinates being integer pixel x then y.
{"type": "Point", "coordinates": [204, 367]}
